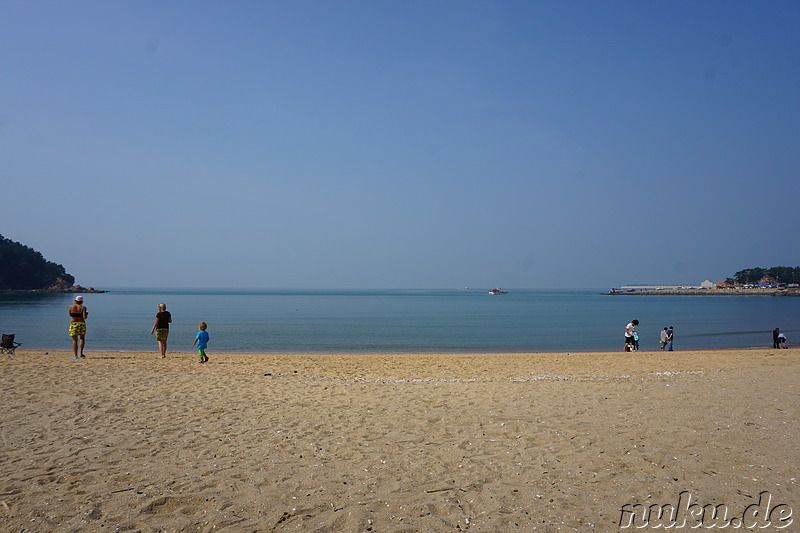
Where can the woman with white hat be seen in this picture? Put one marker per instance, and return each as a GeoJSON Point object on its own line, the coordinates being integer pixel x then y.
{"type": "Point", "coordinates": [77, 325]}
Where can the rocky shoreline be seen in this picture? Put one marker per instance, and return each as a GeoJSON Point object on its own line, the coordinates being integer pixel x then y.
{"type": "Point", "coordinates": [713, 292]}
{"type": "Point", "coordinates": [67, 290]}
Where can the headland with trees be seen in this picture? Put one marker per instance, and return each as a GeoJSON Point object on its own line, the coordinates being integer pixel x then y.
{"type": "Point", "coordinates": [757, 276]}
{"type": "Point", "coordinates": [756, 281]}
{"type": "Point", "coordinates": [23, 269]}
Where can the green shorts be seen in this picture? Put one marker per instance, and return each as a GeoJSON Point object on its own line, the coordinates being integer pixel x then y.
{"type": "Point", "coordinates": [201, 352]}
{"type": "Point", "coordinates": [162, 334]}
{"type": "Point", "coordinates": [77, 328]}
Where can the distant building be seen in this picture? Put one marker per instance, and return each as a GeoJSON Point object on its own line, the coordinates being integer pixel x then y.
{"type": "Point", "coordinates": [708, 284]}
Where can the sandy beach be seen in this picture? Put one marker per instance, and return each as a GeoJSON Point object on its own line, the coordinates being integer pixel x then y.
{"type": "Point", "coordinates": [393, 442]}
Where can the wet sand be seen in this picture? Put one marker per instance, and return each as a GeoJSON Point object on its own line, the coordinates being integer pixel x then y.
{"type": "Point", "coordinates": [391, 442]}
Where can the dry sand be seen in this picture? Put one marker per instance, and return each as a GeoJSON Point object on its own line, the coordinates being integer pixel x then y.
{"type": "Point", "coordinates": [390, 443]}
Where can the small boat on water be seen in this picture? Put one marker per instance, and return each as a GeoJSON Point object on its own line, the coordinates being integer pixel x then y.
{"type": "Point", "coordinates": [497, 290]}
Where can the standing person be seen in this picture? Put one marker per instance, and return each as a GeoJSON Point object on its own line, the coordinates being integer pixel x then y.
{"type": "Point", "coordinates": [77, 325]}
{"type": "Point", "coordinates": [775, 342]}
{"type": "Point", "coordinates": [201, 340]}
{"type": "Point", "coordinates": [630, 330]}
{"type": "Point", "coordinates": [161, 328]}
{"type": "Point", "coordinates": [663, 341]}
{"type": "Point", "coordinates": [670, 334]}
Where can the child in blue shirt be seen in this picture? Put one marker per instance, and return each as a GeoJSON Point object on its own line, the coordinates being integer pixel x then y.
{"type": "Point", "coordinates": [201, 340]}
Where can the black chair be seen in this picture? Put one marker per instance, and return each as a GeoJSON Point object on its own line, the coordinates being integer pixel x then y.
{"type": "Point", "coordinates": [8, 345]}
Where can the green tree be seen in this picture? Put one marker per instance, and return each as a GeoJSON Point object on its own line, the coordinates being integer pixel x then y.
{"type": "Point", "coordinates": [779, 274]}
{"type": "Point", "coordinates": [749, 276]}
{"type": "Point", "coordinates": [23, 268]}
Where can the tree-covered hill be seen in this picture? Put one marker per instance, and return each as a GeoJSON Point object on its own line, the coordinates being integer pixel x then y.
{"type": "Point", "coordinates": [779, 274]}
{"type": "Point", "coordinates": [23, 268]}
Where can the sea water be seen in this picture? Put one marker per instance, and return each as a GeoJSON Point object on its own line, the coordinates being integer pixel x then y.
{"type": "Point", "coordinates": [377, 321]}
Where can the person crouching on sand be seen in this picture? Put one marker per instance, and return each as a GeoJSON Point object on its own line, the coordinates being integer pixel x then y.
{"type": "Point", "coordinates": [201, 340]}
{"type": "Point", "coordinates": [630, 336]}
{"type": "Point", "coordinates": [77, 325]}
{"type": "Point", "coordinates": [782, 340]}
{"type": "Point", "coordinates": [161, 328]}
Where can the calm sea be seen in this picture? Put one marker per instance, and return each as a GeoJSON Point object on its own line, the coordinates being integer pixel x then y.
{"type": "Point", "coordinates": [327, 321]}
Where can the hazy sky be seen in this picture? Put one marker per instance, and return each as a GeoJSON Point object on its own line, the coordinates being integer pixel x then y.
{"type": "Point", "coordinates": [401, 144]}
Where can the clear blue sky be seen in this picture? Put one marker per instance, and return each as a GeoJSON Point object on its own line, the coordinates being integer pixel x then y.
{"type": "Point", "coordinates": [418, 144]}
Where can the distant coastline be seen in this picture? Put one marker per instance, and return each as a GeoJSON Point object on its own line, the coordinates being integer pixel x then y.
{"type": "Point", "coordinates": [710, 292]}
{"type": "Point", "coordinates": [68, 290]}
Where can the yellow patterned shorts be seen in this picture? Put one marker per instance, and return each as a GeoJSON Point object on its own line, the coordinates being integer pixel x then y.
{"type": "Point", "coordinates": [77, 328]}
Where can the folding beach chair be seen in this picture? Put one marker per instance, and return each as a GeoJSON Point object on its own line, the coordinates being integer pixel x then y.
{"type": "Point", "coordinates": [8, 345]}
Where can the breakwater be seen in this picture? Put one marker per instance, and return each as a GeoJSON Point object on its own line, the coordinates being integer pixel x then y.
{"type": "Point", "coordinates": [712, 292]}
